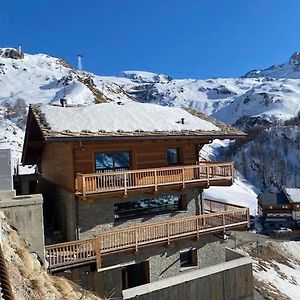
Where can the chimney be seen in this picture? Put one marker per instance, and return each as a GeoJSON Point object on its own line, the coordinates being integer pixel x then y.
{"type": "Point", "coordinates": [182, 120]}
{"type": "Point", "coordinates": [63, 102]}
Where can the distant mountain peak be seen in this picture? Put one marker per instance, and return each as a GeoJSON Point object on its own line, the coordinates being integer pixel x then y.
{"type": "Point", "coordinates": [295, 59]}
{"type": "Point", "coordinates": [290, 69]}
{"type": "Point", "coordinates": [145, 77]}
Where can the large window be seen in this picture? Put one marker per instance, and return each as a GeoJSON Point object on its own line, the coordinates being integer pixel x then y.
{"type": "Point", "coordinates": [112, 161]}
{"type": "Point", "coordinates": [163, 204]}
{"type": "Point", "coordinates": [172, 156]}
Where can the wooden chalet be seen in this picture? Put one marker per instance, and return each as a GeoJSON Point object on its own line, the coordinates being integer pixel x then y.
{"type": "Point", "coordinates": [285, 203]}
{"type": "Point", "coordinates": [118, 177]}
{"type": "Point", "coordinates": [91, 164]}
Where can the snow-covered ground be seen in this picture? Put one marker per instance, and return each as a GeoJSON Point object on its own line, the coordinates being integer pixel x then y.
{"type": "Point", "coordinates": [240, 193]}
{"type": "Point", "coordinates": [277, 270]}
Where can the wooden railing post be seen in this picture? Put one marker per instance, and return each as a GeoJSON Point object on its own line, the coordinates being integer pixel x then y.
{"type": "Point", "coordinates": [136, 240]}
{"type": "Point", "coordinates": [155, 180]}
{"type": "Point", "coordinates": [197, 227]}
{"type": "Point", "coordinates": [83, 186]}
{"type": "Point", "coordinates": [224, 223]}
{"type": "Point", "coordinates": [168, 233]}
{"type": "Point", "coordinates": [248, 218]}
{"type": "Point", "coordinates": [98, 252]}
{"type": "Point", "coordinates": [125, 184]}
{"type": "Point", "coordinates": [207, 174]}
{"type": "Point", "coordinates": [183, 178]}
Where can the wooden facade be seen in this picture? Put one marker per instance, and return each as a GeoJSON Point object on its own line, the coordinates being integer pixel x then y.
{"type": "Point", "coordinates": [60, 162]}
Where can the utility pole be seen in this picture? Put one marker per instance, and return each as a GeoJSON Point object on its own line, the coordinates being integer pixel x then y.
{"type": "Point", "coordinates": [79, 62]}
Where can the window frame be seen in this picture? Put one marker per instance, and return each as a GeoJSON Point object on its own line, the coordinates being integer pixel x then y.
{"type": "Point", "coordinates": [191, 262]}
{"type": "Point", "coordinates": [136, 213]}
{"type": "Point", "coordinates": [113, 169]}
{"type": "Point", "coordinates": [178, 156]}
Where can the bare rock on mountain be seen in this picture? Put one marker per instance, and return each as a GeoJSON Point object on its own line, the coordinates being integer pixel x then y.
{"type": "Point", "coordinates": [295, 59]}
{"type": "Point", "coordinates": [11, 53]}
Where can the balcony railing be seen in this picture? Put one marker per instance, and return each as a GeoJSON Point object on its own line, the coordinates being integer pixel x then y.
{"type": "Point", "coordinates": [124, 181]}
{"type": "Point", "coordinates": [79, 252]}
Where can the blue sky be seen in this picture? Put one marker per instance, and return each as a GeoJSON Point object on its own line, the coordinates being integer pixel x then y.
{"type": "Point", "coordinates": [191, 38]}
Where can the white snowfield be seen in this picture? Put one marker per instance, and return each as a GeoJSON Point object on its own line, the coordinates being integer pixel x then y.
{"type": "Point", "coordinates": [128, 117]}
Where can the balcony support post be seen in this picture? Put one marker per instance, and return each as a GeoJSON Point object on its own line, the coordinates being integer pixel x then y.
{"type": "Point", "coordinates": [155, 180]}
{"type": "Point", "coordinates": [197, 227]}
{"type": "Point", "coordinates": [207, 174]}
{"type": "Point", "coordinates": [125, 184]}
{"type": "Point", "coordinates": [98, 253]}
{"type": "Point", "coordinates": [224, 224]}
{"type": "Point", "coordinates": [168, 233]}
{"type": "Point", "coordinates": [183, 178]}
{"type": "Point", "coordinates": [136, 240]}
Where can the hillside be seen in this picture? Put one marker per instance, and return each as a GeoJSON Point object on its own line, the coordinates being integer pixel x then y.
{"type": "Point", "coordinates": [29, 280]}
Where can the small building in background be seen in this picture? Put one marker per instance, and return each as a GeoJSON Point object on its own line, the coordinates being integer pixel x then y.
{"type": "Point", "coordinates": [282, 208]}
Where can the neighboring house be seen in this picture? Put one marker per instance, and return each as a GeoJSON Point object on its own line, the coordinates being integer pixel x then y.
{"type": "Point", "coordinates": [285, 203]}
{"type": "Point", "coordinates": [123, 183]}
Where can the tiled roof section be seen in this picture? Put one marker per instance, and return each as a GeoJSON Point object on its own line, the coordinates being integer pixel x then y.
{"type": "Point", "coordinates": [225, 132]}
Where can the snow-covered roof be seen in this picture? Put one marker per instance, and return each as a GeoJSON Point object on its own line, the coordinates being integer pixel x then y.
{"type": "Point", "coordinates": [131, 118]}
{"type": "Point", "coordinates": [293, 194]}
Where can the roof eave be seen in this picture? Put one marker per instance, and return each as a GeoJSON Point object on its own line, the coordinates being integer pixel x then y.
{"type": "Point", "coordinates": [143, 137]}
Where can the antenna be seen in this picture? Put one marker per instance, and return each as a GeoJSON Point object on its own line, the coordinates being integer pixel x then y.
{"type": "Point", "coordinates": [79, 62]}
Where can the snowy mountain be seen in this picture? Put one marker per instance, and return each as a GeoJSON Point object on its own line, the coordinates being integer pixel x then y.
{"type": "Point", "coordinates": [290, 69]}
{"type": "Point", "coordinates": [260, 99]}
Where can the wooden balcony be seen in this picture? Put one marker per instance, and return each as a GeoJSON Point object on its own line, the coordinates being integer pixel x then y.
{"type": "Point", "coordinates": [75, 253]}
{"type": "Point", "coordinates": [204, 174]}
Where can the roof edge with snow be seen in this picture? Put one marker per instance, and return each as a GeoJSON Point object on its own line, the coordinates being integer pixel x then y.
{"type": "Point", "coordinates": [224, 131]}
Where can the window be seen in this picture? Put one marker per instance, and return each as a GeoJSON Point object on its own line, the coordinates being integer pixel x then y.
{"type": "Point", "coordinates": [159, 205]}
{"type": "Point", "coordinates": [172, 156]}
{"type": "Point", "coordinates": [188, 258]}
{"type": "Point", "coordinates": [135, 275]}
{"type": "Point", "coordinates": [112, 161]}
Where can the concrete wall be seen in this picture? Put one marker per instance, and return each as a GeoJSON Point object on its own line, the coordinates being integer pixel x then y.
{"type": "Point", "coordinates": [99, 215]}
{"type": "Point", "coordinates": [164, 262]}
{"type": "Point", "coordinates": [226, 281]}
{"type": "Point", "coordinates": [59, 210]}
{"type": "Point", "coordinates": [25, 213]}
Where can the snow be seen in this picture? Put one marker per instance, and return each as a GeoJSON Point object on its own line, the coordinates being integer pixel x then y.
{"type": "Point", "coordinates": [293, 193]}
{"type": "Point", "coordinates": [145, 77]}
{"type": "Point", "coordinates": [240, 193]}
{"type": "Point", "coordinates": [285, 277]}
{"type": "Point", "coordinates": [129, 117]}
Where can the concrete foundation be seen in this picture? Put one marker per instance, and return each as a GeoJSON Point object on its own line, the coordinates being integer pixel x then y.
{"type": "Point", "coordinates": [229, 280]}
{"type": "Point", "coordinates": [25, 213]}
